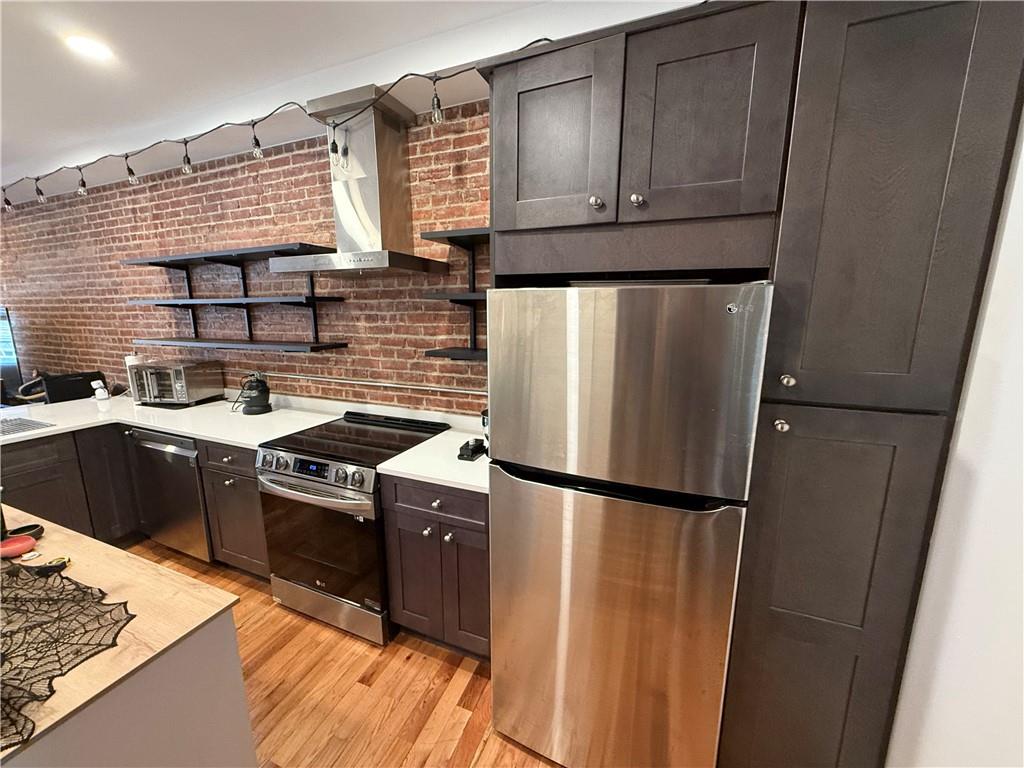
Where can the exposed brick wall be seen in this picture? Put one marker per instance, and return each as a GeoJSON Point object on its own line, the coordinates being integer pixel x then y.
{"type": "Point", "coordinates": [61, 277]}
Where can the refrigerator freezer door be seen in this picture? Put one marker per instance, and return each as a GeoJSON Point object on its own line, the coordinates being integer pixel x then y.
{"type": "Point", "coordinates": [610, 624]}
{"type": "Point", "coordinates": [651, 386]}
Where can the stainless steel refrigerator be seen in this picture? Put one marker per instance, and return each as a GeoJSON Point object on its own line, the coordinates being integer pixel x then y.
{"type": "Point", "coordinates": [622, 427]}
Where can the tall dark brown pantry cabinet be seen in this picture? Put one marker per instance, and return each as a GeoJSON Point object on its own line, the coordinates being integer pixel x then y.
{"type": "Point", "coordinates": [903, 113]}
{"type": "Point", "coordinates": [903, 120]}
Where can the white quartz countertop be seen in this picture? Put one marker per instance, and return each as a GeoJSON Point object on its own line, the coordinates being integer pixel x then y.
{"type": "Point", "coordinates": [437, 461]}
{"type": "Point", "coordinates": [212, 421]}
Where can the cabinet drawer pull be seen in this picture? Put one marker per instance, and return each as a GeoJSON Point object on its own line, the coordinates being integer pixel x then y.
{"type": "Point", "coordinates": [781, 425]}
{"type": "Point", "coordinates": [449, 537]}
{"type": "Point", "coordinates": [787, 380]}
{"type": "Point", "coordinates": [427, 531]}
{"type": "Point", "coordinates": [637, 200]}
{"type": "Point", "coordinates": [436, 504]}
{"type": "Point", "coordinates": [227, 459]}
{"type": "Point", "coordinates": [230, 482]}
{"type": "Point", "coordinates": [595, 202]}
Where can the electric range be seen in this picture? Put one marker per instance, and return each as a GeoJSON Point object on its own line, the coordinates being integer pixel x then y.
{"type": "Point", "coordinates": [321, 513]}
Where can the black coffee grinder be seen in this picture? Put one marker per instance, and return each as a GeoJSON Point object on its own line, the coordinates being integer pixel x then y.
{"type": "Point", "coordinates": [255, 394]}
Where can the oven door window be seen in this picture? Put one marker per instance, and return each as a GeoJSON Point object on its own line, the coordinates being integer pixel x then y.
{"type": "Point", "coordinates": [326, 550]}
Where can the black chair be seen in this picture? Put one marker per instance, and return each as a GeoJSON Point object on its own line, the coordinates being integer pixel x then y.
{"type": "Point", "coordinates": [71, 386]}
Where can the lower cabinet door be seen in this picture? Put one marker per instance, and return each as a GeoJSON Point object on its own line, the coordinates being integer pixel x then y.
{"type": "Point", "coordinates": [414, 572]}
{"type": "Point", "coordinates": [236, 521]}
{"type": "Point", "coordinates": [107, 475]}
{"type": "Point", "coordinates": [465, 568]}
{"type": "Point", "coordinates": [839, 518]}
{"type": "Point", "coordinates": [42, 477]}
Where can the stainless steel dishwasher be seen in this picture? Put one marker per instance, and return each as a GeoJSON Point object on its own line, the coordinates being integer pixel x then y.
{"type": "Point", "coordinates": [169, 489]}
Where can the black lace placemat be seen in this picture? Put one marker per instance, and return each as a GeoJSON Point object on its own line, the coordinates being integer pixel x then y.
{"type": "Point", "coordinates": [48, 626]}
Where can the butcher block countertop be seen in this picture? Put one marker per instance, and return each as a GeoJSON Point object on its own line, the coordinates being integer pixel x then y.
{"type": "Point", "coordinates": [168, 607]}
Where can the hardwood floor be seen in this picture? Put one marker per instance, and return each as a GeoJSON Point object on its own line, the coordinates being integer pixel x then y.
{"type": "Point", "coordinates": [320, 697]}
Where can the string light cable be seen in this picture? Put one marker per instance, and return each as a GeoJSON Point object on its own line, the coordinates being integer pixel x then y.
{"type": "Point", "coordinates": [337, 155]}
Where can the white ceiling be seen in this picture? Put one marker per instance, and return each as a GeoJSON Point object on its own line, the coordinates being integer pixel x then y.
{"type": "Point", "coordinates": [182, 67]}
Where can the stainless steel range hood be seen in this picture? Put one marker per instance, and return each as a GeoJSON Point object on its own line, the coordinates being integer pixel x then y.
{"type": "Point", "coordinates": [370, 189]}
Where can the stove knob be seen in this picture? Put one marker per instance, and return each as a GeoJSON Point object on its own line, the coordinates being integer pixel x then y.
{"type": "Point", "coordinates": [357, 478]}
{"type": "Point", "coordinates": [281, 463]}
{"type": "Point", "coordinates": [267, 461]}
{"type": "Point", "coordinates": [340, 475]}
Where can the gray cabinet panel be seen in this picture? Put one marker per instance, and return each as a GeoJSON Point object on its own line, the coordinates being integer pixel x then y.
{"type": "Point", "coordinates": [236, 521]}
{"type": "Point", "coordinates": [838, 523]}
{"type": "Point", "coordinates": [465, 567]}
{"type": "Point", "coordinates": [555, 131]}
{"type": "Point", "coordinates": [414, 572]}
{"type": "Point", "coordinates": [706, 107]}
{"type": "Point", "coordinates": [42, 477]}
{"type": "Point", "coordinates": [899, 150]}
{"type": "Point", "coordinates": [103, 455]}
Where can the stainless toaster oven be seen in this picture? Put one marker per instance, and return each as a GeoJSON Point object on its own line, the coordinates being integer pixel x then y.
{"type": "Point", "coordinates": [176, 382]}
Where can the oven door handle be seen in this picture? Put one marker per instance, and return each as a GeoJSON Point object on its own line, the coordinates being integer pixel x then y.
{"type": "Point", "coordinates": [354, 507]}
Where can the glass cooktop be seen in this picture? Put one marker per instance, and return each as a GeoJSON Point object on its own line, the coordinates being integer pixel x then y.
{"type": "Point", "coordinates": [366, 439]}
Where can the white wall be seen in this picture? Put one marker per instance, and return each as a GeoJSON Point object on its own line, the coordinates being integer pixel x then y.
{"type": "Point", "coordinates": [962, 701]}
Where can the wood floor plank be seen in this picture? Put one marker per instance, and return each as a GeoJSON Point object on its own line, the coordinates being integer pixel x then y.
{"type": "Point", "coordinates": [320, 697]}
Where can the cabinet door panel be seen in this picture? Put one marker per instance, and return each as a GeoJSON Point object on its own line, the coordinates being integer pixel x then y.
{"type": "Point", "coordinates": [53, 492]}
{"type": "Point", "coordinates": [706, 108]}
{"type": "Point", "coordinates": [899, 149]}
{"type": "Point", "coordinates": [107, 475]}
{"type": "Point", "coordinates": [840, 510]}
{"type": "Point", "coordinates": [555, 130]}
{"type": "Point", "coordinates": [467, 597]}
{"type": "Point", "coordinates": [414, 572]}
{"type": "Point", "coordinates": [236, 521]}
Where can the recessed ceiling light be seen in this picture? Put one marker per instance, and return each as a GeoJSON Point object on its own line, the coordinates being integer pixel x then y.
{"type": "Point", "coordinates": [89, 47]}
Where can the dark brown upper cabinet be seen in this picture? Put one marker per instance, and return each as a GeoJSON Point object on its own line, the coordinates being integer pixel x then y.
{"type": "Point", "coordinates": [555, 129]}
{"type": "Point", "coordinates": [903, 117]}
{"type": "Point", "coordinates": [706, 107]}
{"type": "Point", "coordinates": [840, 509]}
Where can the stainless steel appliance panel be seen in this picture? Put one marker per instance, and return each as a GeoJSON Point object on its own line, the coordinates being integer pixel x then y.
{"type": "Point", "coordinates": [610, 624]}
{"type": "Point", "coordinates": [172, 510]}
{"type": "Point", "coordinates": [647, 385]}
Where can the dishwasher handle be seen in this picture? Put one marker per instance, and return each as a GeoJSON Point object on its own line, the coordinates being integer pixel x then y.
{"type": "Point", "coordinates": [190, 453]}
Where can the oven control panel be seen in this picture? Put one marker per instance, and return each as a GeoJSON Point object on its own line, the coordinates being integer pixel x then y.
{"type": "Point", "coordinates": [334, 472]}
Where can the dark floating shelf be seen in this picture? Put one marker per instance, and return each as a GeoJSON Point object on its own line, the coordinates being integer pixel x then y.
{"type": "Point", "coordinates": [237, 301]}
{"type": "Point", "coordinates": [459, 353]}
{"type": "Point", "coordinates": [467, 239]}
{"type": "Point", "coordinates": [266, 346]}
{"type": "Point", "coordinates": [234, 256]}
{"type": "Point", "coordinates": [458, 298]}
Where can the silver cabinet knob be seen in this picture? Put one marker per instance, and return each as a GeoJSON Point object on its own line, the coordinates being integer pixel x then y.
{"type": "Point", "coordinates": [436, 504]}
{"type": "Point", "coordinates": [427, 531]}
{"type": "Point", "coordinates": [230, 482]}
{"type": "Point", "coordinates": [449, 537]}
{"type": "Point", "coordinates": [637, 199]}
{"type": "Point", "coordinates": [127, 433]}
{"type": "Point", "coordinates": [787, 381]}
{"type": "Point", "coordinates": [595, 202]}
{"type": "Point", "coordinates": [227, 459]}
{"type": "Point", "coordinates": [781, 425]}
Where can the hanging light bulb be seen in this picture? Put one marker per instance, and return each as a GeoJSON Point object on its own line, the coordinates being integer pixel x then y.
{"type": "Point", "coordinates": [8, 205]}
{"type": "Point", "coordinates": [257, 150]}
{"type": "Point", "coordinates": [132, 178]}
{"type": "Point", "coordinates": [186, 161]}
{"type": "Point", "coordinates": [82, 190]}
{"type": "Point", "coordinates": [345, 162]}
{"type": "Point", "coordinates": [39, 193]}
{"type": "Point", "coordinates": [335, 154]}
{"type": "Point", "coordinates": [436, 115]}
